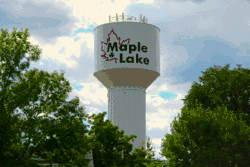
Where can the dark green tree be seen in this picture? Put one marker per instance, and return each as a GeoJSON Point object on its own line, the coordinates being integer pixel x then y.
{"type": "Point", "coordinates": [151, 154]}
{"type": "Point", "coordinates": [223, 86]}
{"type": "Point", "coordinates": [112, 148]}
{"type": "Point", "coordinates": [213, 128]}
{"type": "Point", "coordinates": [36, 92]}
{"type": "Point", "coordinates": [206, 138]}
{"type": "Point", "coordinates": [11, 44]}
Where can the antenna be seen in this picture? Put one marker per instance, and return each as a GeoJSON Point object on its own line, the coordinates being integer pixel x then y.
{"type": "Point", "coordinates": [122, 18]}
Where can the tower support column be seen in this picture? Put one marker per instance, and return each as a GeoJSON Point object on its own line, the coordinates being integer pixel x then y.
{"type": "Point", "coordinates": [126, 109]}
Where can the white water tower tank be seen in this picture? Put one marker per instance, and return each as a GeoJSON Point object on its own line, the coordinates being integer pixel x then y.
{"type": "Point", "coordinates": [127, 61]}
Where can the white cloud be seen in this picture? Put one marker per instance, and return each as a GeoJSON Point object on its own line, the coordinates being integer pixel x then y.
{"type": "Point", "coordinates": [98, 10]}
{"type": "Point", "coordinates": [145, 1]}
{"type": "Point", "coordinates": [93, 94]}
{"type": "Point", "coordinates": [65, 47]}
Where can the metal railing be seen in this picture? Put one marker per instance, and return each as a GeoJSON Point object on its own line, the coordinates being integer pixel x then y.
{"type": "Point", "coordinates": [122, 18]}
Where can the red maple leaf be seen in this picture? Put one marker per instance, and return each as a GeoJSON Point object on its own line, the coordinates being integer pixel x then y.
{"type": "Point", "coordinates": [108, 39]}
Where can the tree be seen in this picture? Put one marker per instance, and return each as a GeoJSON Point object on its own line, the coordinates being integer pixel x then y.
{"type": "Point", "coordinates": [10, 69]}
{"type": "Point", "coordinates": [111, 148]}
{"type": "Point", "coordinates": [223, 86]}
{"type": "Point", "coordinates": [36, 92]}
{"type": "Point", "coordinates": [212, 129]}
{"type": "Point", "coordinates": [155, 162]}
{"type": "Point", "coordinates": [207, 138]}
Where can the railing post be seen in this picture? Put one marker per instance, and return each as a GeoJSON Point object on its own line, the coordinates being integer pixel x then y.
{"type": "Point", "coordinates": [50, 163]}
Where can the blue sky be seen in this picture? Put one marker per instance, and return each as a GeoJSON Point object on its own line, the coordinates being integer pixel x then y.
{"type": "Point", "coordinates": [194, 35]}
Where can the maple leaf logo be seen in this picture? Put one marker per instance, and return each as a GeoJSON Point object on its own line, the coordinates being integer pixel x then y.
{"type": "Point", "coordinates": [108, 40]}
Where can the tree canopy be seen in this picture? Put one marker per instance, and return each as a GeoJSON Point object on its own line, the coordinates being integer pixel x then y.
{"type": "Point", "coordinates": [213, 127]}
{"type": "Point", "coordinates": [115, 148]}
{"type": "Point", "coordinates": [222, 86]}
{"type": "Point", "coordinates": [36, 92]}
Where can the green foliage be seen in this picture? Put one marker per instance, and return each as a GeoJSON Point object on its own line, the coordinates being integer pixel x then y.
{"type": "Point", "coordinates": [13, 47]}
{"type": "Point", "coordinates": [212, 129]}
{"type": "Point", "coordinates": [36, 92]}
{"type": "Point", "coordinates": [208, 138]}
{"type": "Point", "coordinates": [151, 154]}
{"type": "Point", "coordinates": [114, 147]}
{"type": "Point", "coordinates": [222, 86]}
{"type": "Point", "coordinates": [107, 142]}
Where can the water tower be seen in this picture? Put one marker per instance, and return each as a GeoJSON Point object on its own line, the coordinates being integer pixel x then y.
{"type": "Point", "coordinates": [127, 61]}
